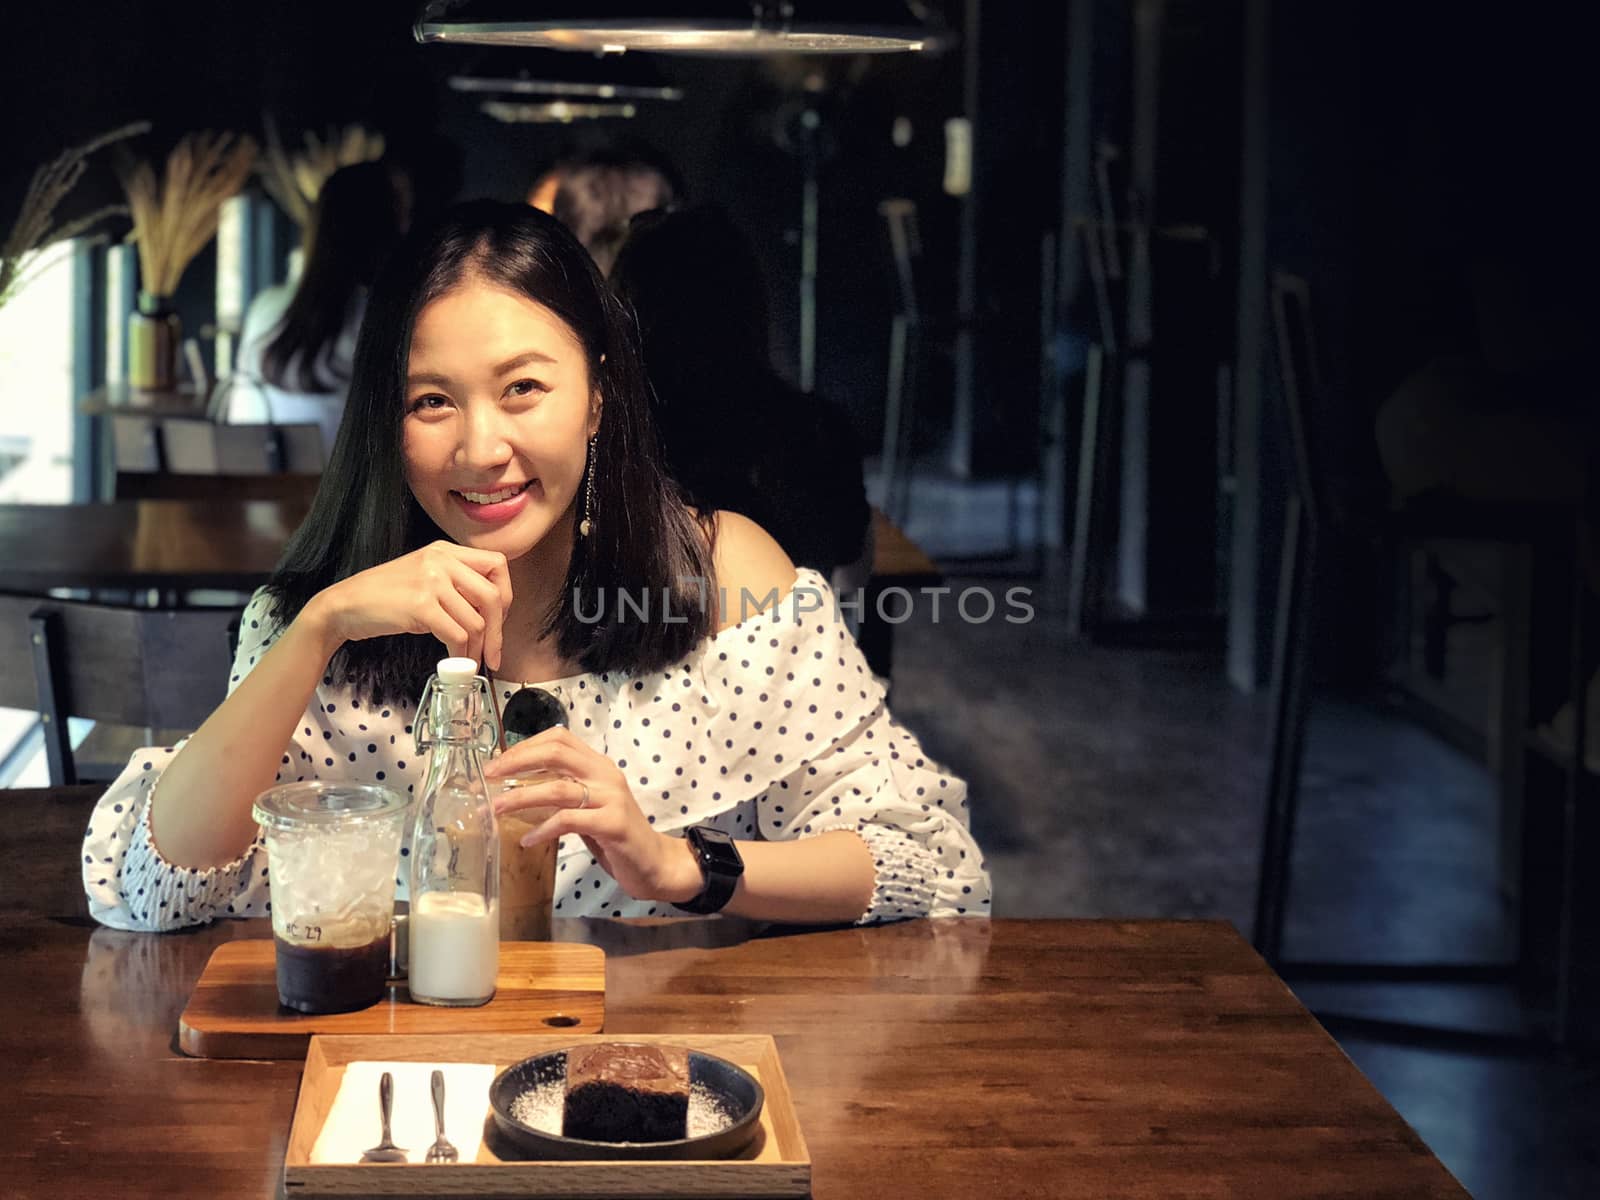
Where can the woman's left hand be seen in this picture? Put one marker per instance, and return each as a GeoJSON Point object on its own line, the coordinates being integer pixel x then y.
{"type": "Point", "coordinates": [591, 799]}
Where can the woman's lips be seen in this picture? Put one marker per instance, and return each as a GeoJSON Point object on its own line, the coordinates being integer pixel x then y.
{"type": "Point", "coordinates": [496, 510]}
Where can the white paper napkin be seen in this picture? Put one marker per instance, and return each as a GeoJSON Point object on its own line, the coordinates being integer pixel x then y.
{"type": "Point", "coordinates": [355, 1122]}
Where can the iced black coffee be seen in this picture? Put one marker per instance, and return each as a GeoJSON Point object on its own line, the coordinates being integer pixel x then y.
{"type": "Point", "coordinates": [332, 852]}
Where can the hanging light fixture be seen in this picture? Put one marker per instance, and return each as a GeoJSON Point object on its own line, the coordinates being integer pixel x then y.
{"type": "Point", "coordinates": [715, 27]}
{"type": "Point", "coordinates": [555, 112]}
{"type": "Point", "coordinates": [563, 88]}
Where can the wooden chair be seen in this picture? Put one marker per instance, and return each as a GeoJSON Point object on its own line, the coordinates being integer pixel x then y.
{"type": "Point", "coordinates": [135, 442]}
{"type": "Point", "coordinates": [151, 669]}
{"type": "Point", "coordinates": [1544, 895]}
{"type": "Point", "coordinates": [154, 443]}
{"type": "Point", "coordinates": [194, 447]}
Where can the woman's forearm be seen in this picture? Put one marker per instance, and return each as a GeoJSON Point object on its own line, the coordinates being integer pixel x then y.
{"type": "Point", "coordinates": [820, 880]}
{"type": "Point", "coordinates": [200, 809]}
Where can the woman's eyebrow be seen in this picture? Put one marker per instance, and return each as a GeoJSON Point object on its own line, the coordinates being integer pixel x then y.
{"type": "Point", "coordinates": [511, 364]}
{"type": "Point", "coordinates": [522, 360]}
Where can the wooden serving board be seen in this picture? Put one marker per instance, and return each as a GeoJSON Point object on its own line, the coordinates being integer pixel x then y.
{"type": "Point", "coordinates": [777, 1163]}
{"type": "Point", "coordinates": [233, 1011]}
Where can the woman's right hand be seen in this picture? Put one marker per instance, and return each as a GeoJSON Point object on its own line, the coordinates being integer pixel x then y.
{"type": "Point", "coordinates": [458, 594]}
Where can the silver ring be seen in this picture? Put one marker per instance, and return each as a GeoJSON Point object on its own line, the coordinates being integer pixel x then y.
{"type": "Point", "coordinates": [585, 788]}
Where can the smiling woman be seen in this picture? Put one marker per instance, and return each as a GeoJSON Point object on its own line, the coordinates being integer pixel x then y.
{"type": "Point", "coordinates": [496, 472]}
{"type": "Point", "coordinates": [496, 451]}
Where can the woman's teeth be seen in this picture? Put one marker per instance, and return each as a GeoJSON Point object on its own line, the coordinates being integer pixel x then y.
{"type": "Point", "coordinates": [495, 497]}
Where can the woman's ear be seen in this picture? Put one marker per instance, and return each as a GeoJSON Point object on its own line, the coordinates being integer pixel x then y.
{"type": "Point", "coordinates": [596, 403]}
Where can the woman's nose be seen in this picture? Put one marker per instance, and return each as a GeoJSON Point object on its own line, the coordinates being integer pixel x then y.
{"type": "Point", "coordinates": [484, 441]}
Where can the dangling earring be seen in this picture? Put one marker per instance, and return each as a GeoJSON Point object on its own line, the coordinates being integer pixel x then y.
{"type": "Point", "coordinates": [586, 526]}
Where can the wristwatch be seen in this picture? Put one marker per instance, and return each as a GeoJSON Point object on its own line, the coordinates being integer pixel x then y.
{"type": "Point", "coordinates": [720, 863]}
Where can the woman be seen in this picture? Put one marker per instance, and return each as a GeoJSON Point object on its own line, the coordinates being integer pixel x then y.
{"type": "Point", "coordinates": [295, 348]}
{"type": "Point", "coordinates": [505, 485]}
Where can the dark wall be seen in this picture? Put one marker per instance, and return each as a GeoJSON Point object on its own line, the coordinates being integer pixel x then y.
{"type": "Point", "coordinates": [1427, 175]}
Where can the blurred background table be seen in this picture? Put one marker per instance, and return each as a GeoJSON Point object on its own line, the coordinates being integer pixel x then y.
{"type": "Point", "coordinates": [927, 1059]}
{"type": "Point", "coordinates": [136, 544]}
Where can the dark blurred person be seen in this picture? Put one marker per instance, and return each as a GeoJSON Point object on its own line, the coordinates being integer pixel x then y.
{"type": "Point", "coordinates": [298, 339]}
{"type": "Point", "coordinates": [736, 435]}
{"type": "Point", "coordinates": [595, 196]}
{"type": "Point", "coordinates": [542, 195]}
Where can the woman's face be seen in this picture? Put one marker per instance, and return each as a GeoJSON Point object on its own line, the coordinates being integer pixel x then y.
{"type": "Point", "coordinates": [498, 414]}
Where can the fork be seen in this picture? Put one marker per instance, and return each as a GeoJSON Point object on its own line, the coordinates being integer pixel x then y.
{"type": "Point", "coordinates": [441, 1151]}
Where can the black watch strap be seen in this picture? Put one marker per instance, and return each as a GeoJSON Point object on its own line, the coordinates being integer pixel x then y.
{"type": "Point", "coordinates": [721, 866]}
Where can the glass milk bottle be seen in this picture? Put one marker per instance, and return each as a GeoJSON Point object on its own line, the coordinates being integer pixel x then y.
{"type": "Point", "coordinates": [455, 847]}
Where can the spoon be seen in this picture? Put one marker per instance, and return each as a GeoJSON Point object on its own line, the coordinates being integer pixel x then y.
{"type": "Point", "coordinates": [531, 711]}
{"type": "Point", "coordinates": [385, 1151]}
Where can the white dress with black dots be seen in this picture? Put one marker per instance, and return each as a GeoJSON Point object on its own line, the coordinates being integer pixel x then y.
{"type": "Point", "coordinates": [773, 728]}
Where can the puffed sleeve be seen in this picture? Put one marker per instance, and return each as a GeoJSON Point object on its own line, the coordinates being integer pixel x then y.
{"type": "Point", "coordinates": [129, 884]}
{"type": "Point", "coordinates": [800, 721]}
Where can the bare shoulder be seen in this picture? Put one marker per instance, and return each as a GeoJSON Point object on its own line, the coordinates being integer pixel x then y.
{"type": "Point", "coordinates": [748, 562]}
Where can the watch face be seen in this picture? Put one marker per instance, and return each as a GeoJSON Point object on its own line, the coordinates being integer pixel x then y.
{"type": "Point", "coordinates": [717, 851]}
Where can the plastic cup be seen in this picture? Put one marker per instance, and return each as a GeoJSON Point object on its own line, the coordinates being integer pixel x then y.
{"type": "Point", "coordinates": [527, 877]}
{"type": "Point", "coordinates": [332, 850]}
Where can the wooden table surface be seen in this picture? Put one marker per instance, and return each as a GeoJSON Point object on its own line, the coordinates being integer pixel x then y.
{"type": "Point", "coordinates": [896, 557]}
{"type": "Point", "coordinates": [927, 1059]}
{"type": "Point", "coordinates": [223, 544]}
{"type": "Point", "coordinates": [144, 543]}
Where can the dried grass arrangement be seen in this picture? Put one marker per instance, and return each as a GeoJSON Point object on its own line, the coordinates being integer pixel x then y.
{"type": "Point", "coordinates": [295, 180]}
{"type": "Point", "coordinates": [174, 217]}
{"type": "Point", "coordinates": [34, 230]}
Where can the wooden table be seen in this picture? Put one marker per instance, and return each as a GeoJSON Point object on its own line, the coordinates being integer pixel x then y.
{"type": "Point", "coordinates": [226, 544]}
{"type": "Point", "coordinates": [896, 558]}
{"type": "Point", "coordinates": [929, 1059]}
{"type": "Point", "coordinates": [144, 543]}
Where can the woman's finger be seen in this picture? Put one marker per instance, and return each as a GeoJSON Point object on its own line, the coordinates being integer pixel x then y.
{"type": "Point", "coordinates": [468, 618]}
{"type": "Point", "coordinates": [555, 751]}
{"type": "Point", "coordinates": [485, 599]}
{"type": "Point", "coordinates": [585, 822]}
{"type": "Point", "coordinates": [490, 564]}
{"type": "Point", "coordinates": [445, 627]}
{"type": "Point", "coordinates": [553, 792]}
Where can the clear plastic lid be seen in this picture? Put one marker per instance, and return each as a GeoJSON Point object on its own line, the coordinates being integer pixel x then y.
{"type": "Point", "coordinates": [315, 802]}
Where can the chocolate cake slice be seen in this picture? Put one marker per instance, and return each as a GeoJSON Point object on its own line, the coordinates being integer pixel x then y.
{"type": "Point", "coordinates": [622, 1092]}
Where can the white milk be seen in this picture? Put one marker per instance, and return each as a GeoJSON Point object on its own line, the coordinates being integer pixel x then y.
{"type": "Point", "coordinates": [455, 948]}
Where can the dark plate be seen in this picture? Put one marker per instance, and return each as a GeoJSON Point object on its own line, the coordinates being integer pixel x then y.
{"type": "Point", "coordinates": [737, 1089]}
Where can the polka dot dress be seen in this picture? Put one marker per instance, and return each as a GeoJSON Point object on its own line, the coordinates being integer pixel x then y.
{"type": "Point", "coordinates": [772, 729]}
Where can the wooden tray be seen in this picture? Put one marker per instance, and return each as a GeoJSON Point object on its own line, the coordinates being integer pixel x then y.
{"type": "Point", "coordinates": [233, 1011]}
{"type": "Point", "coordinates": [776, 1164]}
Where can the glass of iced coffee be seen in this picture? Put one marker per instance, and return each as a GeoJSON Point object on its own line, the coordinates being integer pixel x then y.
{"type": "Point", "coordinates": [527, 876]}
{"type": "Point", "coordinates": [332, 850]}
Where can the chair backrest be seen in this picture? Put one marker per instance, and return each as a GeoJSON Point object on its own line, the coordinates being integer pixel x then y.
{"type": "Point", "coordinates": [905, 245]}
{"type": "Point", "coordinates": [162, 669]}
{"type": "Point", "coordinates": [207, 448]}
{"type": "Point", "coordinates": [135, 442]}
{"type": "Point", "coordinates": [1300, 376]}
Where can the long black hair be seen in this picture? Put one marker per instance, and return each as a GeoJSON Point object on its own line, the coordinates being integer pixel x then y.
{"type": "Point", "coordinates": [644, 539]}
{"type": "Point", "coordinates": [354, 225]}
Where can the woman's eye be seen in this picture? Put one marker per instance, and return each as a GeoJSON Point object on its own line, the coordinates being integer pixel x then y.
{"type": "Point", "coordinates": [432, 403]}
{"type": "Point", "coordinates": [526, 387]}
